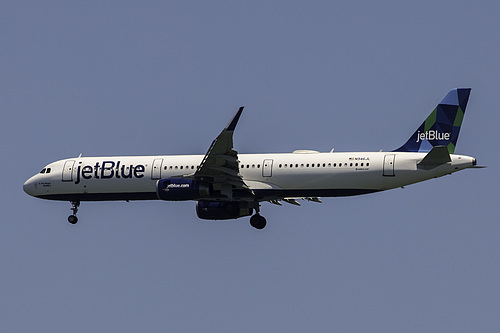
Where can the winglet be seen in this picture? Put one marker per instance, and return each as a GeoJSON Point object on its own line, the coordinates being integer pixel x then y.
{"type": "Point", "coordinates": [232, 124]}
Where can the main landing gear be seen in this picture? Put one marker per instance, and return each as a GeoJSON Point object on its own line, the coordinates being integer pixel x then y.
{"type": "Point", "coordinates": [258, 221]}
{"type": "Point", "coordinates": [74, 207]}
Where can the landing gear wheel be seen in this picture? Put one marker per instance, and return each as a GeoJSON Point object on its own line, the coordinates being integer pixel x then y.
{"type": "Point", "coordinates": [74, 208]}
{"type": "Point", "coordinates": [72, 219]}
{"type": "Point", "coordinates": [258, 222]}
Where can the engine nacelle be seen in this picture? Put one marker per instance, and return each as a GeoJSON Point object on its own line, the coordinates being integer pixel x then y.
{"type": "Point", "coordinates": [222, 210]}
{"type": "Point", "coordinates": [177, 189]}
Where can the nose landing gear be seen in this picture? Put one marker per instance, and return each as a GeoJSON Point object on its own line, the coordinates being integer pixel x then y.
{"type": "Point", "coordinates": [74, 207]}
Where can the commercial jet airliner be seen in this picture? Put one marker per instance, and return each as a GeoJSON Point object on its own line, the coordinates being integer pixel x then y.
{"type": "Point", "coordinates": [229, 185]}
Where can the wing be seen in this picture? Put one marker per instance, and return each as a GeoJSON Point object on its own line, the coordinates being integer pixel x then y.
{"type": "Point", "coordinates": [220, 166]}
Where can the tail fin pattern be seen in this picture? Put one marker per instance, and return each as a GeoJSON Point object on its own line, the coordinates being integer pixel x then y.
{"type": "Point", "coordinates": [442, 127]}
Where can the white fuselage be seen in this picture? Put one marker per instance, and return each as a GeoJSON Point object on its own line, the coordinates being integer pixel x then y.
{"type": "Point", "coordinates": [229, 185]}
{"type": "Point", "coordinates": [270, 176]}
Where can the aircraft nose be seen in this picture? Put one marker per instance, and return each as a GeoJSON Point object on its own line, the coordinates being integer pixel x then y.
{"type": "Point", "coordinates": [29, 187]}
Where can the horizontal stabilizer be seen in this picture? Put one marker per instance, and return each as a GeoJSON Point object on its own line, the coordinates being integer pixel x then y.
{"type": "Point", "coordinates": [437, 156]}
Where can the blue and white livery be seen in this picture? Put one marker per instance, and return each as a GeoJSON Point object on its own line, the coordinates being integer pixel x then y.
{"type": "Point", "coordinates": [229, 185]}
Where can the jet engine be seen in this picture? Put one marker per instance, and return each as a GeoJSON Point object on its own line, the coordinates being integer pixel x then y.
{"type": "Point", "coordinates": [177, 189]}
{"type": "Point", "coordinates": [222, 210]}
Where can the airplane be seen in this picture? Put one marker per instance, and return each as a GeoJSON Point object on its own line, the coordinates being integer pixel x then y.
{"type": "Point", "coordinates": [229, 185]}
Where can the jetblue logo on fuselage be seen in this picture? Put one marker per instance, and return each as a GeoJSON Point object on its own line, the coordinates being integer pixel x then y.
{"type": "Point", "coordinates": [108, 170]}
{"type": "Point", "coordinates": [432, 135]}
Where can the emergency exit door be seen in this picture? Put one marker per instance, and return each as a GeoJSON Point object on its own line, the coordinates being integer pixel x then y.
{"type": "Point", "coordinates": [156, 169]}
{"type": "Point", "coordinates": [267, 168]}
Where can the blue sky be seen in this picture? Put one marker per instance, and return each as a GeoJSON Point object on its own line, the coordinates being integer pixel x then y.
{"type": "Point", "coordinates": [145, 78]}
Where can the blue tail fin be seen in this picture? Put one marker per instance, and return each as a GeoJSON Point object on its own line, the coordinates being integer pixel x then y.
{"type": "Point", "coordinates": [442, 127]}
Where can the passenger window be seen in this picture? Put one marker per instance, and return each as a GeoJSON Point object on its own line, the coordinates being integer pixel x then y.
{"type": "Point", "coordinates": [302, 165]}
{"type": "Point", "coordinates": [253, 166]}
{"type": "Point", "coordinates": [362, 164]}
{"type": "Point", "coordinates": [356, 164]}
{"type": "Point", "coordinates": [280, 165]}
{"type": "Point", "coordinates": [307, 165]}
{"type": "Point", "coordinates": [258, 166]}
{"type": "Point", "coordinates": [367, 164]}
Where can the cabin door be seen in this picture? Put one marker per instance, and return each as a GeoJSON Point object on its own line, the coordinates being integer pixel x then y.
{"type": "Point", "coordinates": [67, 175]}
{"type": "Point", "coordinates": [389, 165]}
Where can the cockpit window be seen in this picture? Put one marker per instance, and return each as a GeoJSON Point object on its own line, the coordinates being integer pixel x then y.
{"type": "Point", "coordinates": [46, 170]}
